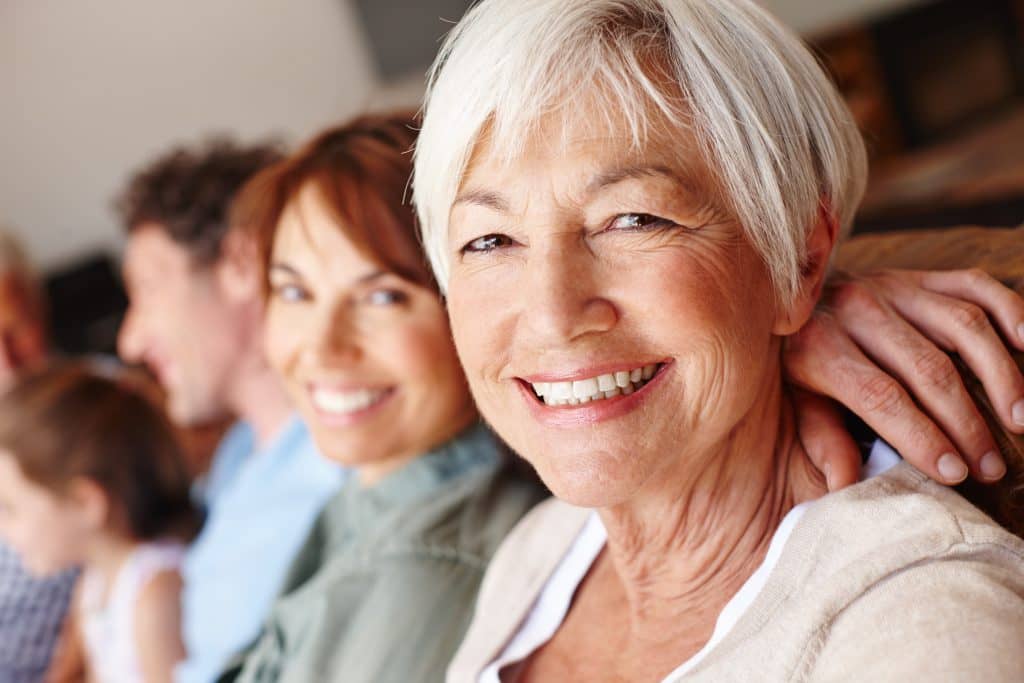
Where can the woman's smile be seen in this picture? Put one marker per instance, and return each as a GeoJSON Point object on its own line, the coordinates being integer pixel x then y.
{"type": "Point", "coordinates": [593, 397]}
{"type": "Point", "coordinates": [341, 407]}
{"type": "Point", "coordinates": [608, 385]}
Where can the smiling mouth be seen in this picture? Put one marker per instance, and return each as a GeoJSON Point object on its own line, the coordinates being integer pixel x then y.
{"type": "Point", "coordinates": [344, 403]}
{"type": "Point", "coordinates": [593, 389]}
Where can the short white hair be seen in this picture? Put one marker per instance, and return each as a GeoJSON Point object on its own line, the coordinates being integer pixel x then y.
{"type": "Point", "coordinates": [773, 129]}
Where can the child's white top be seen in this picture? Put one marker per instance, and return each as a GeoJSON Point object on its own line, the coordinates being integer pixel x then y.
{"type": "Point", "coordinates": [108, 626]}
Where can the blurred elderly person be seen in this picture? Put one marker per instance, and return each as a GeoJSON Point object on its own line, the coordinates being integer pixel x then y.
{"type": "Point", "coordinates": [31, 609]}
{"type": "Point", "coordinates": [632, 204]}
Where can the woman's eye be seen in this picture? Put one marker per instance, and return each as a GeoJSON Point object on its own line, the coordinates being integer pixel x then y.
{"type": "Point", "coordinates": [386, 297]}
{"type": "Point", "coordinates": [482, 245]}
{"type": "Point", "coordinates": [639, 221]}
{"type": "Point", "coordinates": [290, 293]}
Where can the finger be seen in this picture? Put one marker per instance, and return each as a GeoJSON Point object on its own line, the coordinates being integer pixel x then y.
{"type": "Point", "coordinates": [825, 439]}
{"type": "Point", "coordinates": [931, 376]}
{"type": "Point", "coordinates": [963, 327]}
{"type": "Point", "coordinates": [821, 357]}
{"type": "Point", "coordinates": [1002, 303]}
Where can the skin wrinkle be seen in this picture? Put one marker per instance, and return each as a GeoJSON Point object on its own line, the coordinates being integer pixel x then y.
{"type": "Point", "coordinates": [732, 538]}
{"type": "Point", "coordinates": [691, 485]}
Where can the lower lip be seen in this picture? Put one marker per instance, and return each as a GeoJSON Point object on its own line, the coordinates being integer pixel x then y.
{"type": "Point", "coordinates": [589, 413]}
{"type": "Point", "coordinates": [349, 419]}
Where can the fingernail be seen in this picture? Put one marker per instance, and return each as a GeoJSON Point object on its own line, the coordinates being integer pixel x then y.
{"type": "Point", "coordinates": [828, 475]}
{"type": "Point", "coordinates": [952, 468]}
{"type": "Point", "coordinates": [1020, 331]}
{"type": "Point", "coordinates": [992, 466]}
{"type": "Point", "coordinates": [1018, 413]}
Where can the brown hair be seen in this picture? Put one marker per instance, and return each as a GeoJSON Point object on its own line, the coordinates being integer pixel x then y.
{"type": "Point", "coordinates": [188, 191]}
{"type": "Point", "coordinates": [76, 419]}
{"type": "Point", "coordinates": [362, 171]}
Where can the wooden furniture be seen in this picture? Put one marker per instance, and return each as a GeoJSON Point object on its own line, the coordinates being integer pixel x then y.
{"type": "Point", "coordinates": [977, 178]}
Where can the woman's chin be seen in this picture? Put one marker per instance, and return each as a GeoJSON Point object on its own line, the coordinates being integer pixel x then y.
{"type": "Point", "coordinates": [592, 480]}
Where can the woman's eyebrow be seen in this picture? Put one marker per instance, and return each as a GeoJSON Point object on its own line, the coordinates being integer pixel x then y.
{"type": "Point", "coordinates": [284, 268]}
{"type": "Point", "coordinates": [370, 277]}
{"type": "Point", "coordinates": [636, 172]}
{"type": "Point", "coordinates": [490, 200]}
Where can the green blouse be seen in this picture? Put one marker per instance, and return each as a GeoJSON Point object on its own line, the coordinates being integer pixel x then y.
{"type": "Point", "coordinates": [384, 588]}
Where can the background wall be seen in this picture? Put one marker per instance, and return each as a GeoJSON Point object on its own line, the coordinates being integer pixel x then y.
{"type": "Point", "coordinates": [91, 89]}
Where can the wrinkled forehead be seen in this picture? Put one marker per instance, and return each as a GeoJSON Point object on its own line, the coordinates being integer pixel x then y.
{"type": "Point", "coordinates": [588, 140]}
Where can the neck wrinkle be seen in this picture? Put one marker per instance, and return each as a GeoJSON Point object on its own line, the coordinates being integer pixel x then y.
{"type": "Point", "coordinates": [697, 536]}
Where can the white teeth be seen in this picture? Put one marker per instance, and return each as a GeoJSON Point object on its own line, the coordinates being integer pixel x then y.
{"type": "Point", "coordinates": [344, 402]}
{"type": "Point", "coordinates": [597, 388]}
{"type": "Point", "coordinates": [559, 391]}
{"type": "Point", "coordinates": [584, 388]}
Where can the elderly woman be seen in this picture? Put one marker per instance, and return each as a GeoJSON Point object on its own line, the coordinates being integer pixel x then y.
{"type": "Point", "coordinates": [632, 203]}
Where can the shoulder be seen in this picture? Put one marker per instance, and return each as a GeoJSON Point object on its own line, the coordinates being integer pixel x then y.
{"type": "Point", "coordinates": [915, 582]}
{"type": "Point", "coordinates": [157, 612]}
{"type": "Point", "coordinates": [159, 595]}
{"type": "Point", "coordinates": [907, 517]}
{"type": "Point", "coordinates": [532, 548]}
{"type": "Point", "coordinates": [471, 516]}
{"type": "Point", "coordinates": [513, 581]}
{"type": "Point", "coordinates": [959, 617]}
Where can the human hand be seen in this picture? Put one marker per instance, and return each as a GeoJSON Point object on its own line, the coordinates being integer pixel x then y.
{"type": "Point", "coordinates": [877, 345]}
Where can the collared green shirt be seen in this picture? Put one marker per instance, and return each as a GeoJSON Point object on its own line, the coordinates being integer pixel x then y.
{"type": "Point", "coordinates": [384, 588]}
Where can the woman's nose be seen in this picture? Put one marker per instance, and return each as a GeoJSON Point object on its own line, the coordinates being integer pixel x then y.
{"type": "Point", "coordinates": [562, 296]}
{"type": "Point", "coordinates": [337, 338]}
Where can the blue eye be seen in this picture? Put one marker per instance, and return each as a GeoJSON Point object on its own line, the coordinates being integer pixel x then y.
{"type": "Point", "coordinates": [639, 222]}
{"type": "Point", "coordinates": [482, 245]}
{"type": "Point", "coordinates": [291, 293]}
{"type": "Point", "coordinates": [385, 297]}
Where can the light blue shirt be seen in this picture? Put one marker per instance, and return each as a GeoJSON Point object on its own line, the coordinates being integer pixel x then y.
{"type": "Point", "coordinates": [261, 505]}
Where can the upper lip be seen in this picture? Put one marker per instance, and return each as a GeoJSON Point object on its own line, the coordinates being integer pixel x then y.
{"type": "Point", "coordinates": [587, 372]}
{"type": "Point", "coordinates": [343, 386]}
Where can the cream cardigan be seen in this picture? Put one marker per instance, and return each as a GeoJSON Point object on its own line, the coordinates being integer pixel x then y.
{"type": "Point", "coordinates": [894, 579]}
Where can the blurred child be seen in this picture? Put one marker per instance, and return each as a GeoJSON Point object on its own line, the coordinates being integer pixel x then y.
{"type": "Point", "coordinates": [91, 475]}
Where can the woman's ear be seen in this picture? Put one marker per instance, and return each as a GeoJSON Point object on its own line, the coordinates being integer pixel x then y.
{"type": "Point", "coordinates": [238, 268]}
{"type": "Point", "coordinates": [91, 502]}
{"type": "Point", "coordinates": [820, 244]}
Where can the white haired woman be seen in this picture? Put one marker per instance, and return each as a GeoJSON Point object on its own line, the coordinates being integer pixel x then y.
{"type": "Point", "coordinates": [632, 204]}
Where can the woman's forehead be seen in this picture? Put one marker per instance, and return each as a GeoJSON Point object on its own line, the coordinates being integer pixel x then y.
{"type": "Point", "coordinates": [584, 151]}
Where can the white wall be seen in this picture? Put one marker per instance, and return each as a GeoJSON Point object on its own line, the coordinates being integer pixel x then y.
{"type": "Point", "coordinates": [91, 89]}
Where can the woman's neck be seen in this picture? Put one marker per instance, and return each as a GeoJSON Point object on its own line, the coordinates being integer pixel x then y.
{"type": "Point", "coordinates": [260, 399]}
{"type": "Point", "coordinates": [684, 546]}
{"type": "Point", "coordinates": [372, 473]}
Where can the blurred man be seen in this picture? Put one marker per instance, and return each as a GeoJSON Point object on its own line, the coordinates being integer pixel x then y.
{"type": "Point", "coordinates": [31, 610]}
{"type": "Point", "coordinates": [195, 318]}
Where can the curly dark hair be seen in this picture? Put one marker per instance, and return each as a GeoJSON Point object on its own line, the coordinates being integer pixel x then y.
{"type": "Point", "coordinates": [188, 192]}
